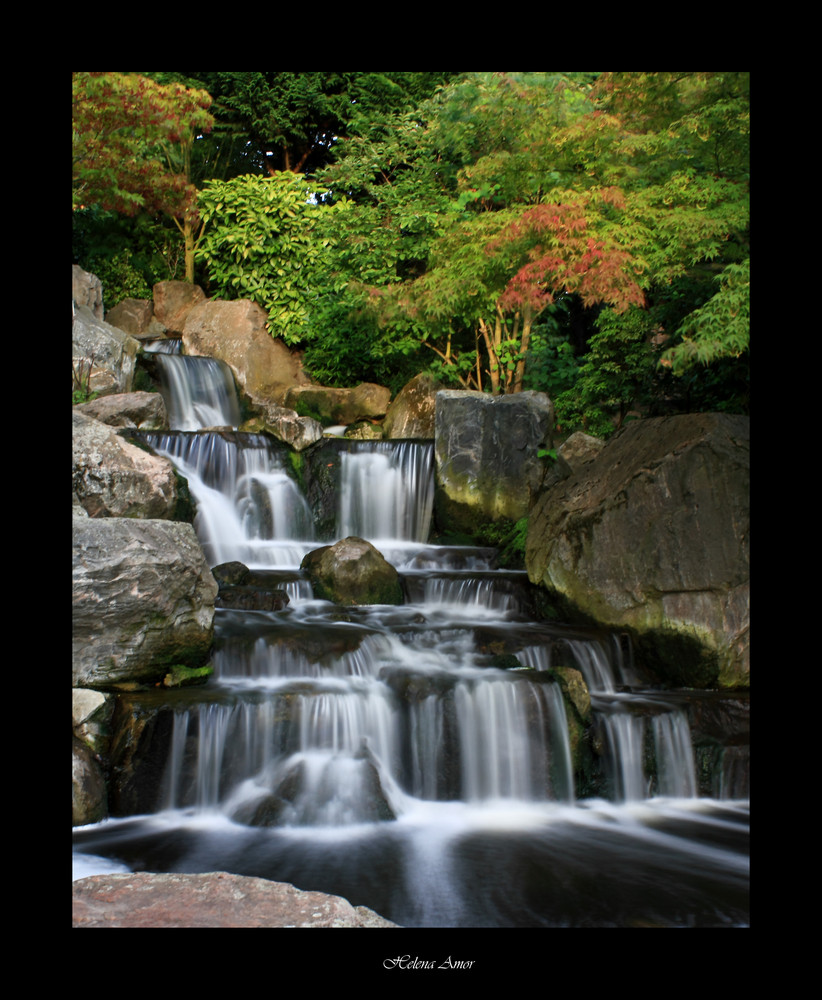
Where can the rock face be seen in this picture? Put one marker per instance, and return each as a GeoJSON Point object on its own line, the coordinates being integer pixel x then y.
{"type": "Point", "coordinates": [652, 536]}
{"type": "Point", "coordinates": [486, 452]}
{"type": "Point", "coordinates": [112, 478]}
{"type": "Point", "coordinates": [412, 413]}
{"type": "Point", "coordinates": [235, 332]}
{"type": "Point", "coordinates": [352, 571]}
{"type": "Point", "coordinates": [216, 899]}
{"type": "Point", "coordinates": [143, 601]}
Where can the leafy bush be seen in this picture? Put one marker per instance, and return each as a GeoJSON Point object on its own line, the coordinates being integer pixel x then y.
{"type": "Point", "coordinates": [260, 244]}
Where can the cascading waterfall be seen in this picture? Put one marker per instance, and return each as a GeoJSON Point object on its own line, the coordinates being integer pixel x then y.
{"type": "Point", "coordinates": [344, 749]}
{"type": "Point", "coordinates": [198, 392]}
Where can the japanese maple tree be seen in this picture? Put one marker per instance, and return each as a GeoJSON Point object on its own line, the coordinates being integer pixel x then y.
{"type": "Point", "coordinates": [131, 147]}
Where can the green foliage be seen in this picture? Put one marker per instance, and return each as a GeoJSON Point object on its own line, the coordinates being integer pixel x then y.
{"type": "Point", "coordinates": [615, 372]}
{"type": "Point", "coordinates": [123, 125]}
{"type": "Point", "coordinates": [260, 244]}
{"type": "Point", "coordinates": [718, 329]}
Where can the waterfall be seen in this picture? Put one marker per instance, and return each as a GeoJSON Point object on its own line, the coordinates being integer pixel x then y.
{"type": "Point", "coordinates": [429, 760]}
{"type": "Point", "coordinates": [387, 492]}
{"type": "Point", "coordinates": [198, 392]}
{"type": "Point", "coordinates": [248, 507]}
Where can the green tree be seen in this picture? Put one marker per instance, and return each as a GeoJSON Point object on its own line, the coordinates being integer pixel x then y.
{"type": "Point", "coordinates": [511, 191]}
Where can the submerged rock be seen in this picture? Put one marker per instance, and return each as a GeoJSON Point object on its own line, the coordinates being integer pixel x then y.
{"type": "Point", "coordinates": [352, 571]}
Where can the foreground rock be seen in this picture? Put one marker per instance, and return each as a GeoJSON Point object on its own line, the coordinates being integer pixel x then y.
{"type": "Point", "coordinates": [112, 478]}
{"type": "Point", "coordinates": [352, 571]}
{"type": "Point", "coordinates": [143, 601]}
{"type": "Point", "coordinates": [652, 536]}
{"type": "Point", "coordinates": [215, 899]}
{"type": "Point", "coordinates": [487, 455]}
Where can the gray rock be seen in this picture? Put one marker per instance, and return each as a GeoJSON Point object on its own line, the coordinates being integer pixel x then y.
{"type": "Point", "coordinates": [143, 601]}
{"type": "Point", "coordinates": [352, 571]}
{"type": "Point", "coordinates": [87, 290]}
{"type": "Point", "coordinates": [103, 355]}
{"type": "Point", "coordinates": [486, 451]}
{"type": "Point", "coordinates": [215, 899]}
{"type": "Point", "coordinates": [112, 478]}
{"type": "Point", "coordinates": [653, 536]}
{"type": "Point", "coordinates": [412, 413]}
{"type": "Point", "coordinates": [88, 786]}
{"type": "Point", "coordinates": [142, 410]}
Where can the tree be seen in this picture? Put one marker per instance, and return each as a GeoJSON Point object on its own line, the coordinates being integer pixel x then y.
{"type": "Point", "coordinates": [132, 140]}
{"type": "Point", "coordinates": [511, 190]}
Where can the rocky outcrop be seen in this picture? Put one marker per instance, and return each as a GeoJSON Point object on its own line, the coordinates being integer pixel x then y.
{"type": "Point", "coordinates": [653, 537]}
{"type": "Point", "coordinates": [235, 332]}
{"type": "Point", "coordinates": [352, 571]}
{"type": "Point", "coordinates": [339, 406]}
{"type": "Point", "coordinates": [140, 410]}
{"type": "Point", "coordinates": [411, 415]}
{"type": "Point", "coordinates": [486, 451]}
{"type": "Point", "coordinates": [112, 478]}
{"type": "Point", "coordinates": [103, 357]}
{"type": "Point", "coordinates": [143, 601]}
{"type": "Point", "coordinates": [216, 899]}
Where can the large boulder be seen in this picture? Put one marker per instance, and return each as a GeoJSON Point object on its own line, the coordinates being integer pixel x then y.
{"type": "Point", "coordinates": [652, 536]}
{"type": "Point", "coordinates": [235, 332]}
{"type": "Point", "coordinates": [412, 413]}
{"type": "Point", "coordinates": [214, 899]}
{"type": "Point", "coordinates": [143, 601]}
{"type": "Point", "coordinates": [112, 478]}
{"type": "Point", "coordinates": [103, 357]}
{"type": "Point", "coordinates": [352, 571]}
{"type": "Point", "coordinates": [486, 450]}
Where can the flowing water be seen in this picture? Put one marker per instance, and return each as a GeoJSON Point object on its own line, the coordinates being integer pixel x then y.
{"type": "Point", "coordinates": [420, 759]}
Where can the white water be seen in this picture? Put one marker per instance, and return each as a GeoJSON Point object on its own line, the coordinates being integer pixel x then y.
{"type": "Point", "coordinates": [388, 740]}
